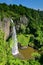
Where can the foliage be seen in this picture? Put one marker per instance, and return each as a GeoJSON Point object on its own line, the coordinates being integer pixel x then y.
{"type": "Point", "coordinates": [27, 30]}
{"type": "Point", "coordinates": [3, 56]}
{"type": "Point", "coordinates": [6, 57]}
{"type": "Point", "coordinates": [40, 36]}
{"type": "Point", "coordinates": [33, 33]}
{"type": "Point", "coordinates": [23, 39]}
{"type": "Point", "coordinates": [33, 62]}
{"type": "Point", "coordinates": [23, 28]}
{"type": "Point", "coordinates": [36, 55]}
{"type": "Point", "coordinates": [11, 10]}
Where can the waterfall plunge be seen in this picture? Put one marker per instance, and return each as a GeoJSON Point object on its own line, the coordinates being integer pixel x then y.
{"type": "Point", "coordinates": [15, 44]}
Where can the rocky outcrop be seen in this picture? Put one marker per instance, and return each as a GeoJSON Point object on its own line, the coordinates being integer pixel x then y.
{"type": "Point", "coordinates": [5, 26]}
{"type": "Point", "coordinates": [23, 20]}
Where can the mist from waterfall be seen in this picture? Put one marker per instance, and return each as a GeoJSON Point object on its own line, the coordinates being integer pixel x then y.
{"type": "Point", "coordinates": [15, 44]}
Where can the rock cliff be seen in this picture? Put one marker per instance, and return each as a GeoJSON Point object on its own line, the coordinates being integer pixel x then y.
{"type": "Point", "coordinates": [23, 20]}
{"type": "Point", "coordinates": [5, 26]}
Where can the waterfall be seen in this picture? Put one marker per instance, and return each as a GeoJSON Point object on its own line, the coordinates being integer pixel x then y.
{"type": "Point", "coordinates": [15, 44]}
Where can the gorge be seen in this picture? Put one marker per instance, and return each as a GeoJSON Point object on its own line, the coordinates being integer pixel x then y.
{"type": "Point", "coordinates": [21, 43]}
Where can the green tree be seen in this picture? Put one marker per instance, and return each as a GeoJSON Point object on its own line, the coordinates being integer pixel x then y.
{"type": "Point", "coordinates": [23, 28]}
{"type": "Point", "coordinates": [3, 56]}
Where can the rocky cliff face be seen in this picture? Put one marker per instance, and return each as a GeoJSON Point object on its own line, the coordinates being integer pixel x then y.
{"type": "Point", "coordinates": [5, 26]}
{"type": "Point", "coordinates": [23, 20]}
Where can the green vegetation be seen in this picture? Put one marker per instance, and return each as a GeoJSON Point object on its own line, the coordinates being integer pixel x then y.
{"type": "Point", "coordinates": [36, 55]}
{"type": "Point", "coordinates": [23, 28]}
{"type": "Point", "coordinates": [16, 11]}
{"type": "Point", "coordinates": [23, 39]}
{"type": "Point", "coordinates": [6, 57]}
{"type": "Point", "coordinates": [30, 34]}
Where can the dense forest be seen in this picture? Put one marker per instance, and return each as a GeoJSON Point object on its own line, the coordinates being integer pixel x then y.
{"type": "Point", "coordinates": [29, 34]}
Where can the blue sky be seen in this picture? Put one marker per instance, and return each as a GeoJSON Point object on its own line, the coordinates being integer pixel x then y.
{"type": "Point", "coordinates": [36, 4]}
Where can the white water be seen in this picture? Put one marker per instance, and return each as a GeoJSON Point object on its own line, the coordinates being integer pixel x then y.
{"type": "Point", "coordinates": [15, 44]}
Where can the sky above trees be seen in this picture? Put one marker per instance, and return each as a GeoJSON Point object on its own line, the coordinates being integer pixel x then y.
{"type": "Point", "coordinates": [36, 4]}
